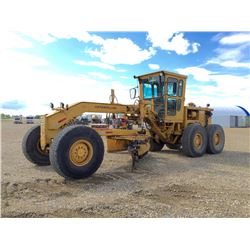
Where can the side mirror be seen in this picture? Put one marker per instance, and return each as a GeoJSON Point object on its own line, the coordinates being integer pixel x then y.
{"type": "Point", "coordinates": [132, 93]}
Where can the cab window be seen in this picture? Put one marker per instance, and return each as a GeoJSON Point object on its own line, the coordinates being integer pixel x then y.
{"type": "Point", "coordinates": [171, 106]}
{"type": "Point", "coordinates": [178, 104]}
{"type": "Point", "coordinates": [180, 88]}
{"type": "Point", "coordinates": [172, 86]}
{"type": "Point", "coordinates": [153, 87]}
{"type": "Point", "coordinates": [147, 91]}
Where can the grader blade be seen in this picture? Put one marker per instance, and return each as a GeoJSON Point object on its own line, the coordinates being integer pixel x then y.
{"type": "Point", "coordinates": [137, 150]}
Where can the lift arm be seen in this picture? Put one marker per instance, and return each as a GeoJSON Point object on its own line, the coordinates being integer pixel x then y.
{"type": "Point", "coordinates": [52, 123]}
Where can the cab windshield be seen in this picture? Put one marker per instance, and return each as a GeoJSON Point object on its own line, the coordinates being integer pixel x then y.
{"type": "Point", "coordinates": [153, 86]}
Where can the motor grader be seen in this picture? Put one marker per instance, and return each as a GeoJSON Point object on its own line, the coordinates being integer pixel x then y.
{"type": "Point", "coordinates": [76, 151]}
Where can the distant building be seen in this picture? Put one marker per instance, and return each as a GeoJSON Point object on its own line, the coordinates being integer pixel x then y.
{"type": "Point", "coordinates": [231, 117]}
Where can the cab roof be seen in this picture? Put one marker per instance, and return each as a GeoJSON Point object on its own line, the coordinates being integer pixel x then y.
{"type": "Point", "coordinates": [163, 72]}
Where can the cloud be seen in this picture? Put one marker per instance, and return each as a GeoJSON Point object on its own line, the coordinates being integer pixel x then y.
{"type": "Point", "coordinates": [195, 47]}
{"type": "Point", "coordinates": [153, 66]}
{"type": "Point", "coordinates": [100, 75]}
{"type": "Point", "coordinates": [230, 90]}
{"type": "Point", "coordinates": [37, 88]}
{"type": "Point", "coordinates": [230, 53]}
{"type": "Point", "coordinates": [109, 51]}
{"type": "Point", "coordinates": [199, 74]}
{"type": "Point", "coordinates": [172, 41]}
{"type": "Point", "coordinates": [43, 37]}
{"type": "Point", "coordinates": [13, 104]}
{"type": "Point", "coordinates": [23, 80]}
{"type": "Point", "coordinates": [95, 64]}
{"type": "Point", "coordinates": [219, 89]}
{"type": "Point", "coordinates": [52, 36]}
{"type": "Point", "coordinates": [98, 65]}
{"type": "Point", "coordinates": [237, 38]}
{"type": "Point", "coordinates": [11, 40]}
{"type": "Point", "coordinates": [121, 70]}
{"type": "Point", "coordinates": [13, 62]}
{"type": "Point", "coordinates": [80, 35]}
{"type": "Point", "coordinates": [236, 57]}
{"type": "Point", "coordinates": [121, 51]}
{"type": "Point", "coordinates": [230, 63]}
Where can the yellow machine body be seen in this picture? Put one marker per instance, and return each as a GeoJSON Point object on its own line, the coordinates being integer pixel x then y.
{"type": "Point", "coordinates": [160, 104]}
{"type": "Point", "coordinates": [158, 117]}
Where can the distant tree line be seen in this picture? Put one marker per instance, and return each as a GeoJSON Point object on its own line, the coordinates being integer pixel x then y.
{"type": "Point", "coordinates": [4, 116]}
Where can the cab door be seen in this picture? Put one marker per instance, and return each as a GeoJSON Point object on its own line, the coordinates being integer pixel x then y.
{"type": "Point", "coordinates": [153, 94]}
{"type": "Point", "coordinates": [159, 99]}
{"type": "Point", "coordinates": [174, 99]}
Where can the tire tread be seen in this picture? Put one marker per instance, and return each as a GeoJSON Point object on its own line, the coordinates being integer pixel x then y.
{"type": "Point", "coordinates": [211, 149]}
{"type": "Point", "coordinates": [56, 152]}
{"type": "Point", "coordinates": [187, 145]}
{"type": "Point", "coordinates": [29, 147]}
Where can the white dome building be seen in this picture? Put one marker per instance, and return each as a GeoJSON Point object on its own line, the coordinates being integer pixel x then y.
{"type": "Point", "coordinates": [231, 117]}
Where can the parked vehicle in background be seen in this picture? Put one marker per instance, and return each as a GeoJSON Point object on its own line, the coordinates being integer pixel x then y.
{"type": "Point", "coordinates": [82, 120]}
{"type": "Point", "coordinates": [18, 119]}
{"type": "Point", "coordinates": [96, 119]}
{"type": "Point", "coordinates": [30, 120]}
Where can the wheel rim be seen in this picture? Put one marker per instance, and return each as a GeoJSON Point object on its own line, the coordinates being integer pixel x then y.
{"type": "Point", "coordinates": [198, 141]}
{"type": "Point", "coordinates": [216, 139]}
{"type": "Point", "coordinates": [81, 152]}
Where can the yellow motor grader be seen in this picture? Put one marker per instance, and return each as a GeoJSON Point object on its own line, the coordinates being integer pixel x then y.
{"type": "Point", "coordinates": [160, 118]}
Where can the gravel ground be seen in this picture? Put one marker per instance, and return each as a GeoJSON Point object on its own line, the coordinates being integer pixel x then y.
{"type": "Point", "coordinates": [165, 184]}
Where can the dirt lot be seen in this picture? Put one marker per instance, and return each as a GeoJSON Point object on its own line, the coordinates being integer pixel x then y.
{"type": "Point", "coordinates": [165, 184]}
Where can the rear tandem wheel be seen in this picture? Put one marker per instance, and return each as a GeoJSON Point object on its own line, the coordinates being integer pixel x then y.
{"type": "Point", "coordinates": [194, 140]}
{"type": "Point", "coordinates": [216, 139]}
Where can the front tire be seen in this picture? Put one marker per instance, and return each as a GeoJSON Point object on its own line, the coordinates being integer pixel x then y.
{"type": "Point", "coordinates": [194, 140]}
{"type": "Point", "coordinates": [77, 152]}
{"type": "Point", "coordinates": [31, 147]}
{"type": "Point", "coordinates": [216, 139]}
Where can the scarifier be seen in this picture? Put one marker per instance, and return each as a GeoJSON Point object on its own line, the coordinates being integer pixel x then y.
{"type": "Point", "coordinates": [158, 114]}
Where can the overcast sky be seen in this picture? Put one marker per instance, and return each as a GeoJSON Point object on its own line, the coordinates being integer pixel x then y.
{"type": "Point", "coordinates": [52, 66]}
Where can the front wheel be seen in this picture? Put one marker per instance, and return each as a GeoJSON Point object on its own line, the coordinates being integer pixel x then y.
{"type": "Point", "coordinates": [31, 147]}
{"type": "Point", "coordinates": [76, 152]}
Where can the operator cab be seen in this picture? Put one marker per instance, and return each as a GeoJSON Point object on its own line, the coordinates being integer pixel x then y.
{"type": "Point", "coordinates": [164, 92]}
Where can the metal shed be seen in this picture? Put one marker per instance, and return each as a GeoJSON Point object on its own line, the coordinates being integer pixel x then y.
{"type": "Point", "coordinates": [231, 117]}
